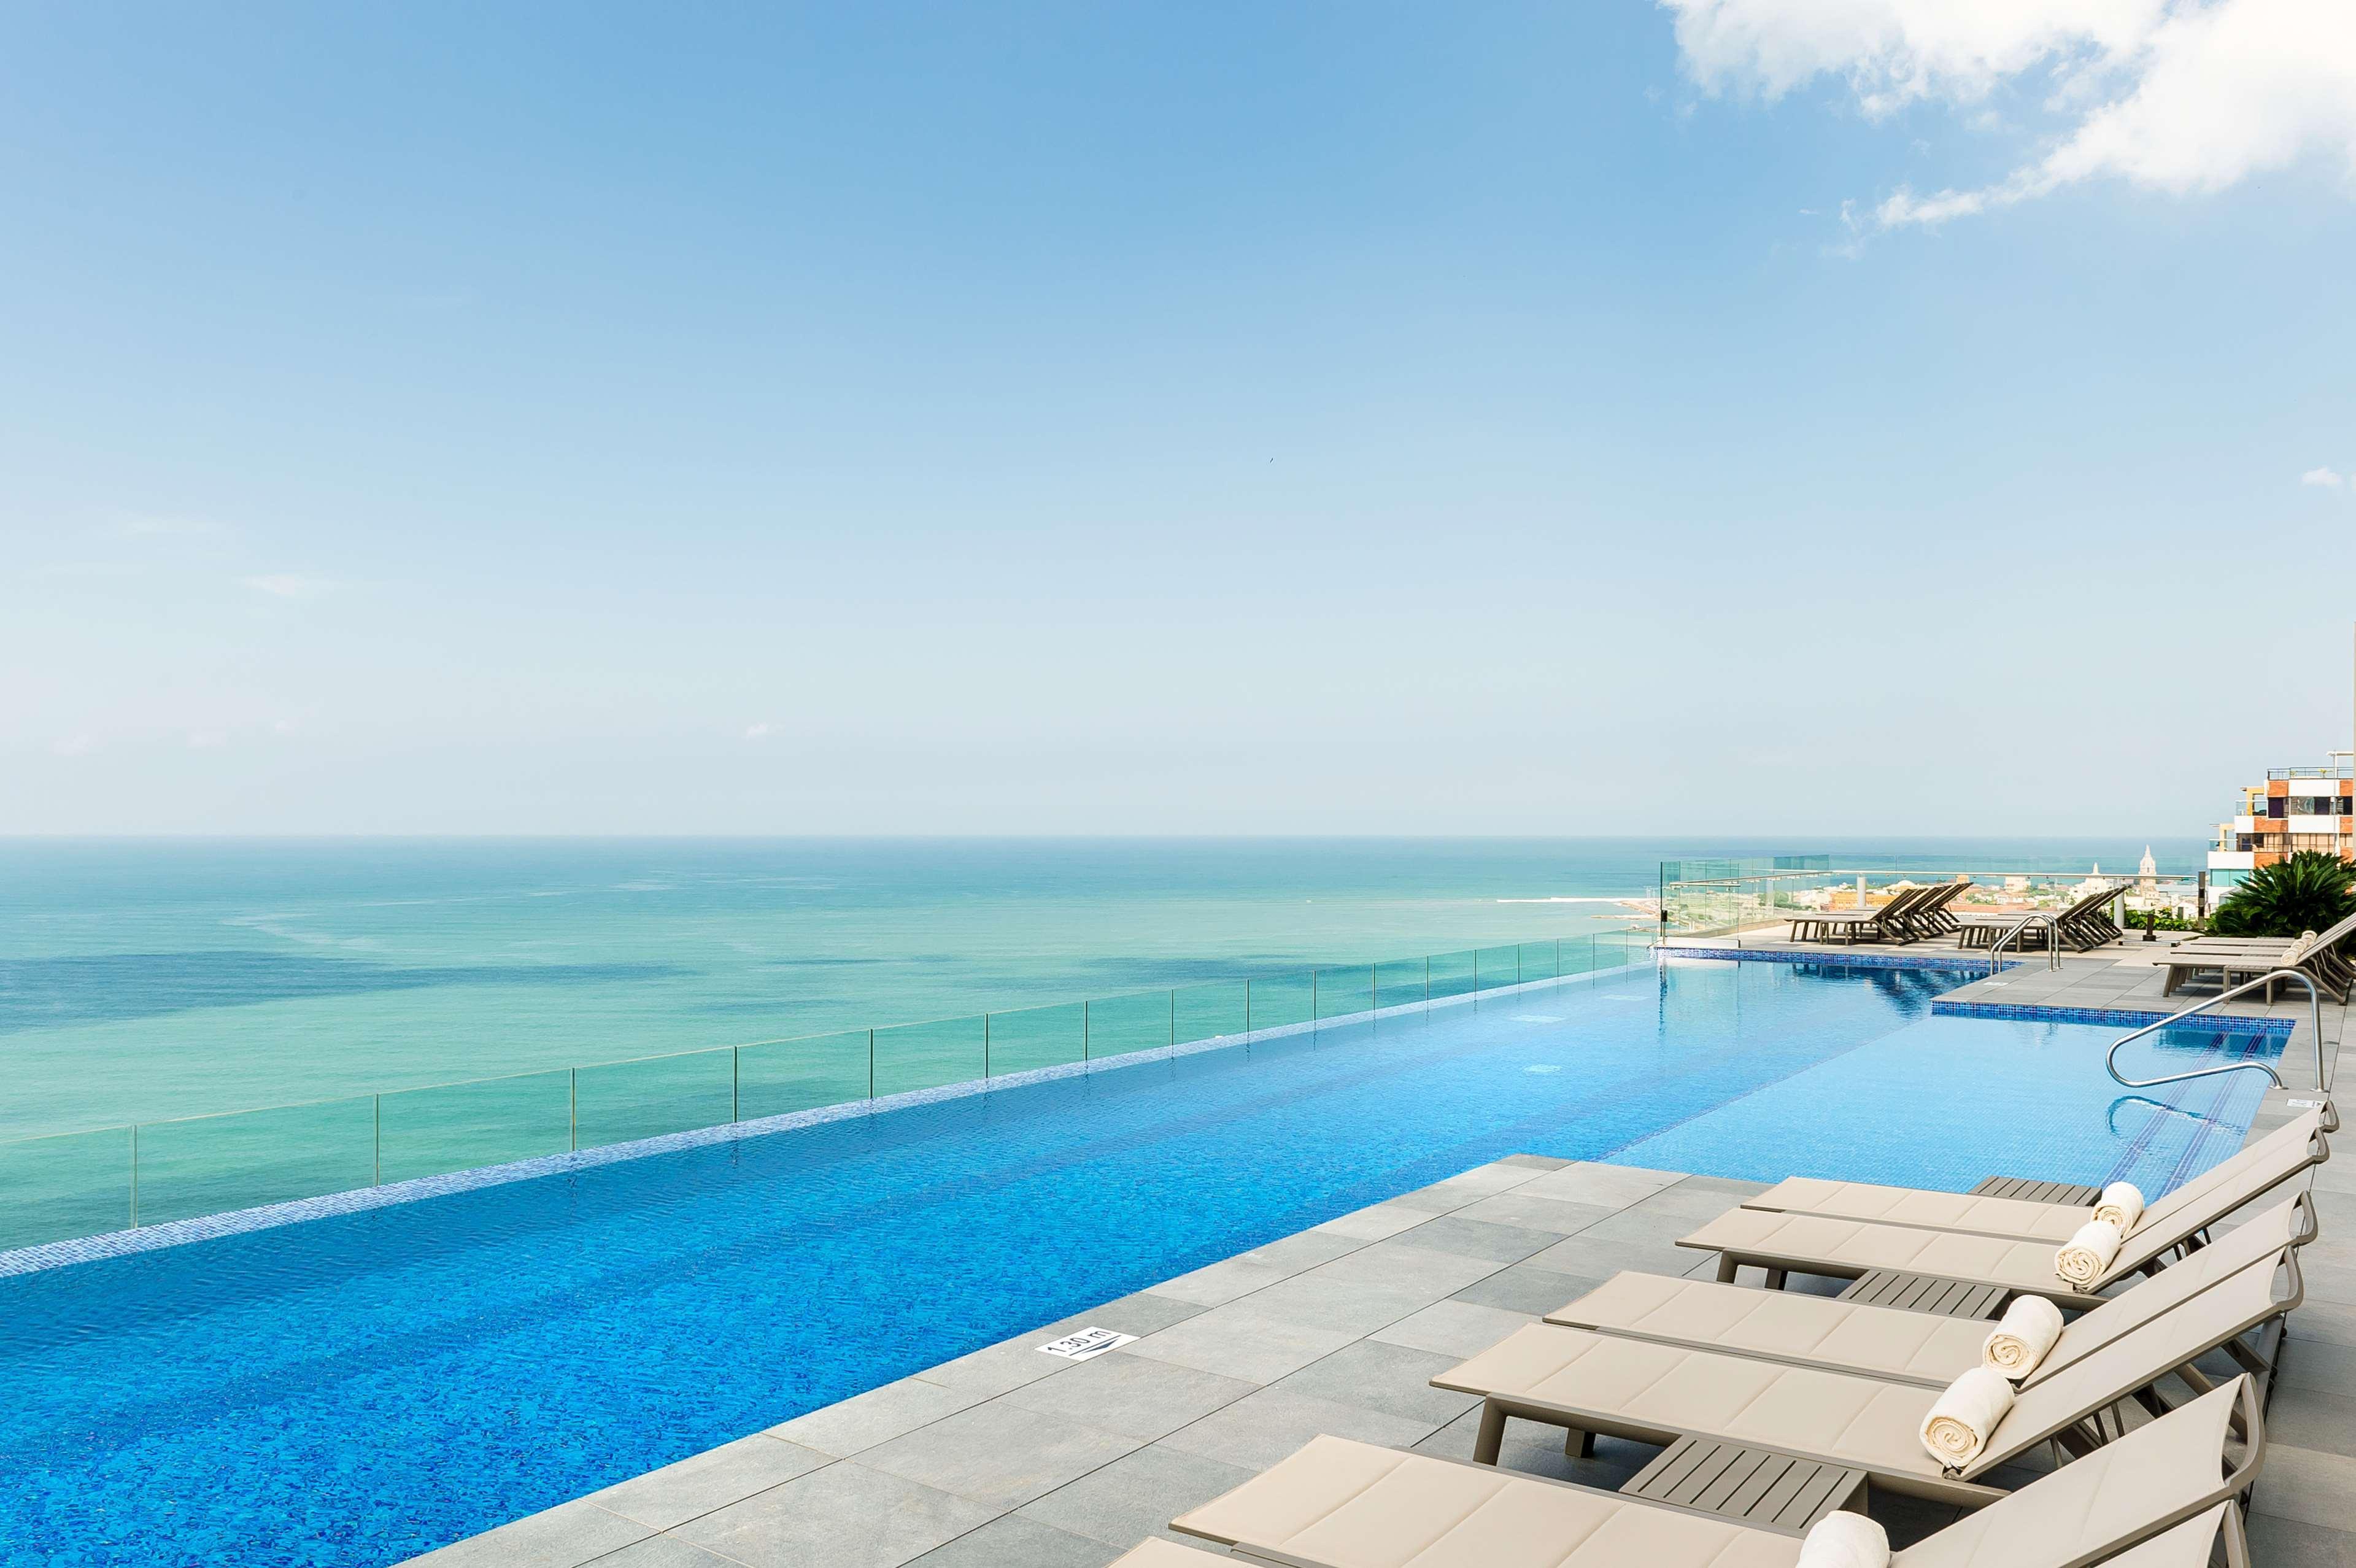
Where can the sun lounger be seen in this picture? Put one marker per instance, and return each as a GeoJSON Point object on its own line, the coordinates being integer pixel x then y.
{"type": "Point", "coordinates": [1597, 1384]}
{"type": "Point", "coordinates": [1892, 922]}
{"type": "Point", "coordinates": [2236, 958]}
{"type": "Point", "coordinates": [2163, 1493]}
{"type": "Point", "coordinates": [1917, 1347]}
{"type": "Point", "coordinates": [1845, 1249]}
{"type": "Point", "coordinates": [1926, 1209]}
{"type": "Point", "coordinates": [2083, 924]}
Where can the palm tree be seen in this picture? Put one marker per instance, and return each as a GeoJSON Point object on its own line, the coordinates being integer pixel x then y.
{"type": "Point", "coordinates": [2308, 892]}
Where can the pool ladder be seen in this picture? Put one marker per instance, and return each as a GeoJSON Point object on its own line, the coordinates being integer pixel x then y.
{"type": "Point", "coordinates": [2315, 1006]}
{"type": "Point", "coordinates": [2053, 941]}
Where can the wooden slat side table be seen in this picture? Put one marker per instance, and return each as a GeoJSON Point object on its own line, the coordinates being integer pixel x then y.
{"type": "Point", "coordinates": [1757, 1486]}
{"type": "Point", "coordinates": [1924, 1293]}
{"type": "Point", "coordinates": [2030, 1191]}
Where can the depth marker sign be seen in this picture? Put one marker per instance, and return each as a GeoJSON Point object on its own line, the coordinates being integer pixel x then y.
{"type": "Point", "coordinates": [1087, 1342]}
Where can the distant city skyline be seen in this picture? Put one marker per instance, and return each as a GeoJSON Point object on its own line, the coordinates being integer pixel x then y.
{"type": "Point", "coordinates": [1721, 417]}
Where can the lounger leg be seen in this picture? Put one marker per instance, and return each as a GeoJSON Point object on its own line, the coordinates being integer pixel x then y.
{"type": "Point", "coordinates": [1491, 1437]}
{"type": "Point", "coordinates": [1577, 1445]}
{"type": "Point", "coordinates": [1726, 1269]}
{"type": "Point", "coordinates": [1775, 1279]}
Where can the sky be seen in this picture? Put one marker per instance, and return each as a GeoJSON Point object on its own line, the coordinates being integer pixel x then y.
{"type": "Point", "coordinates": [1726, 416]}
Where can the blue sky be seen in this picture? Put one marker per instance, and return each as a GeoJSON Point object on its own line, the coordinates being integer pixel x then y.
{"type": "Point", "coordinates": [1173, 418]}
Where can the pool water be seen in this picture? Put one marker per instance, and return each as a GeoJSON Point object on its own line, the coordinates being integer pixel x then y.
{"type": "Point", "coordinates": [353, 1391]}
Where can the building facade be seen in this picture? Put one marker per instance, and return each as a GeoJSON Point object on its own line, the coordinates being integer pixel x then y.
{"type": "Point", "coordinates": [2295, 809]}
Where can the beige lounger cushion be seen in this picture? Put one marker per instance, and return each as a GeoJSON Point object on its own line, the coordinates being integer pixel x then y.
{"type": "Point", "coordinates": [1921, 1207]}
{"type": "Point", "coordinates": [1662, 1391]}
{"type": "Point", "coordinates": [2251, 1172]}
{"type": "Point", "coordinates": [1884, 1342]}
{"type": "Point", "coordinates": [2188, 1545]}
{"type": "Point", "coordinates": [1349, 1504]}
{"type": "Point", "coordinates": [2074, 1514]}
{"type": "Point", "coordinates": [1820, 1244]}
{"type": "Point", "coordinates": [1814, 1243]}
{"type": "Point", "coordinates": [1339, 1504]}
{"type": "Point", "coordinates": [1657, 1392]}
{"type": "Point", "coordinates": [1787, 1325]}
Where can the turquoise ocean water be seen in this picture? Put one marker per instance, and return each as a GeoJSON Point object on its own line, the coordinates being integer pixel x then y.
{"type": "Point", "coordinates": [145, 979]}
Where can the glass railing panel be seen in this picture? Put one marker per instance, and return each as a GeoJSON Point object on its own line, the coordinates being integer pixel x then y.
{"type": "Point", "coordinates": [1028, 1038]}
{"type": "Point", "coordinates": [910, 1057]}
{"type": "Point", "coordinates": [1538, 960]}
{"type": "Point", "coordinates": [1616, 950]}
{"type": "Point", "coordinates": [1208, 1012]}
{"type": "Point", "coordinates": [619, 1101]}
{"type": "Point", "coordinates": [1343, 989]}
{"type": "Point", "coordinates": [1452, 973]}
{"type": "Point", "coordinates": [213, 1164]}
{"type": "Point", "coordinates": [1279, 1001]}
{"type": "Point", "coordinates": [1400, 983]}
{"type": "Point", "coordinates": [778, 1078]}
{"type": "Point", "coordinates": [1498, 966]}
{"type": "Point", "coordinates": [64, 1185]}
{"type": "Point", "coordinates": [1139, 1021]}
{"type": "Point", "coordinates": [458, 1127]}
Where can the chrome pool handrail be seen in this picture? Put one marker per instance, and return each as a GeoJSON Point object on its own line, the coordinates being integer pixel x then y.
{"type": "Point", "coordinates": [2315, 1002]}
{"type": "Point", "coordinates": [2053, 940]}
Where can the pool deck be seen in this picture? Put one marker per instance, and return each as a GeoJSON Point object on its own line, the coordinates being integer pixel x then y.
{"type": "Point", "coordinates": [1010, 1457]}
{"type": "Point", "coordinates": [2121, 977]}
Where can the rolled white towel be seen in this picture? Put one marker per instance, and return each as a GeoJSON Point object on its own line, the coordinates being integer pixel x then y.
{"type": "Point", "coordinates": [2121, 1204]}
{"type": "Point", "coordinates": [1845, 1540]}
{"type": "Point", "coordinates": [1964, 1418]}
{"type": "Point", "coordinates": [2084, 1256]}
{"type": "Point", "coordinates": [2024, 1337]}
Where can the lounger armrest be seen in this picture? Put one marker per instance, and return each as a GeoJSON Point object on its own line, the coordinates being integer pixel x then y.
{"type": "Point", "coordinates": [2310, 1227]}
{"type": "Point", "coordinates": [2253, 1439]}
{"type": "Point", "coordinates": [2237, 1539]}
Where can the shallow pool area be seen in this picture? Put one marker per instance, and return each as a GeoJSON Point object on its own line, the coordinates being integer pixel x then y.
{"type": "Point", "coordinates": [355, 1390]}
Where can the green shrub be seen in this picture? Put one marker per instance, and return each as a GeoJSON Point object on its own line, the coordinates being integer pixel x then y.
{"type": "Point", "coordinates": [2308, 892]}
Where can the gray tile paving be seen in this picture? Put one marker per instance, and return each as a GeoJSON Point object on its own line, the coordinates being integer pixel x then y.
{"type": "Point", "coordinates": [1012, 1541]}
{"type": "Point", "coordinates": [1136, 1496]}
{"type": "Point", "coordinates": [844, 1516]}
{"type": "Point", "coordinates": [712, 1479]}
{"type": "Point", "coordinates": [564, 1537]}
{"type": "Point", "coordinates": [1254, 1433]}
{"type": "Point", "coordinates": [1133, 1396]}
{"type": "Point", "coordinates": [1002, 1453]}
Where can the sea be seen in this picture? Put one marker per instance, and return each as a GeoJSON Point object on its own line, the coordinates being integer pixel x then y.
{"type": "Point", "coordinates": [142, 979]}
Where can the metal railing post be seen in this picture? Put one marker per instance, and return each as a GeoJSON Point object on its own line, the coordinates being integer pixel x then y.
{"type": "Point", "coordinates": [1084, 1029]}
{"type": "Point", "coordinates": [737, 1077]}
{"type": "Point", "coordinates": [985, 1045]}
{"type": "Point", "coordinates": [871, 1064]}
{"type": "Point", "coordinates": [573, 1097]}
{"type": "Point", "coordinates": [376, 1163]}
{"type": "Point", "coordinates": [135, 1176]}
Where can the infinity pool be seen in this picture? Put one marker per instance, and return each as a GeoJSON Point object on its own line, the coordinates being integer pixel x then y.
{"type": "Point", "coordinates": [353, 1391]}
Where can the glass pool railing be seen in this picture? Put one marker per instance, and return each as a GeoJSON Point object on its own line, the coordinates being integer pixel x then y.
{"type": "Point", "coordinates": [70, 1185]}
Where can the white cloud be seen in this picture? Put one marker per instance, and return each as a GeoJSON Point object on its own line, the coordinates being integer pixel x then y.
{"type": "Point", "coordinates": [2183, 96]}
{"type": "Point", "coordinates": [73, 746]}
{"type": "Point", "coordinates": [755, 732]}
{"type": "Point", "coordinates": [2329, 478]}
{"type": "Point", "coordinates": [285, 727]}
{"type": "Point", "coordinates": [207, 740]}
{"type": "Point", "coordinates": [288, 585]}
